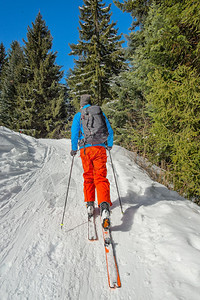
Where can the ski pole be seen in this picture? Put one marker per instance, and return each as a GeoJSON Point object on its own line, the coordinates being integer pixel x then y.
{"type": "Point", "coordinates": [120, 202]}
{"type": "Point", "coordinates": [67, 192]}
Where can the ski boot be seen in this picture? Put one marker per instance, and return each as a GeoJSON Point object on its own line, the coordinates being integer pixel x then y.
{"type": "Point", "coordinates": [105, 214]}
{"type": "Point", "coordinates": [90, 208]}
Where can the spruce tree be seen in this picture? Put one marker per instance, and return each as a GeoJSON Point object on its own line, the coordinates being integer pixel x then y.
{"type": "Point", "coordinates": [175, 104]}
{"type": "Point", "coordinates": [2, 63]}
{"type": "Point", "coordinates": [13, 75]}
{"type": "Point", "coordinates": [41, 103]}
{"type": "Point", "coordinates": [165, 69]}
{"type": "Point", "coordinates": [138, 8]}
{"type": "Point", "coordinates": [131, 84]}
{"type": "Point", "coordinates": [173, 94]}
{"type": "Point", "coordinates": [2, 57]}
{"type": "Point", "coordinates": [99, 52]}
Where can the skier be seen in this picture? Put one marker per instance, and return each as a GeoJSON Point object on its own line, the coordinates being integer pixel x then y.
{"type": "Point", "coordinates": [94, 158]}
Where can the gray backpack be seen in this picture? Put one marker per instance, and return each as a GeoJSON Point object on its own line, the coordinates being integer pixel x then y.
{"type": "Point", "coordinates": [95, 130]}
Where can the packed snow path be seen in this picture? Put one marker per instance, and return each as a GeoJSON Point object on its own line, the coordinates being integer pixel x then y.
{"type": "Point", "coordinates": [157, 240]}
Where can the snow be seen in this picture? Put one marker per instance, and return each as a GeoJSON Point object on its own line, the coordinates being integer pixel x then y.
{"type": "Point", "coordinates": [156, 240]}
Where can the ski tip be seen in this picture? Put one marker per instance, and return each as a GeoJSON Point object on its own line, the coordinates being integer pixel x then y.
{"type": "Point", "coordinates": [61, 225]}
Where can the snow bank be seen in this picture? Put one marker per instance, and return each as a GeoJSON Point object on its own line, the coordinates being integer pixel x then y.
{"type": "Point", "coordinates": [157, 239]}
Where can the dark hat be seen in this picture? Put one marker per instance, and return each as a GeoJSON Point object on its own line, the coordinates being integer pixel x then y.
{"type": "Point", "coordinates": [85, 99]}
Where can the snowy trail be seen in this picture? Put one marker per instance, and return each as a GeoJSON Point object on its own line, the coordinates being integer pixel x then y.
{"type": "Point", "coordinates": [157, 240]}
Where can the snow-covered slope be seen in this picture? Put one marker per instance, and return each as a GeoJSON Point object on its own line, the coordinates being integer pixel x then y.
{"type": "Point", "coordinates": [157, 240]}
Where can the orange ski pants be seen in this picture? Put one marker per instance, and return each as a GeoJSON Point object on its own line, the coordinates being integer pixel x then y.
{"type": "Point", "coordinates": [94, 161]}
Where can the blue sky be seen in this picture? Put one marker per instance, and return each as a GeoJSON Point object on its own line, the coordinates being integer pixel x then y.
{"type": "Point", "coordinates": [61, 17]}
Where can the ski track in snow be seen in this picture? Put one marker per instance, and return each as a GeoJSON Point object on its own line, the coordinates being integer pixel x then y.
{"type": "Point", "coordinates": [156, 240]}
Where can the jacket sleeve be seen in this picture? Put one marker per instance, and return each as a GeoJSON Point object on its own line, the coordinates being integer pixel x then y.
{"type": "Point", "coordinates": [110, 131]}
{"type": "Point", "coordinates": [75, 129]}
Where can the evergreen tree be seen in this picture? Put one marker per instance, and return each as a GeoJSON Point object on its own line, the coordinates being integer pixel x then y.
{"type": "Point", "coordinates": [131, 84]}
{"type": "Point", "coordinates": [41, 103]}
{"type": "Point", "coordinates": [175, 109]}
{"type": "Point", "coordinates": [2, 63]}
{"type": "Point", "coordinates": [174, 95]}
{"type": "Point", "coordinates": [138, 8]}
{"type": "Point", "coordinates": [128, 113]}
{"type": "Point", "coordinates": [99, 51]}
{"type": "Point", "coordinates": [2, 57]}
{"type": "Point", "coordinates": [13, 75]}
{"type": "Point", "coordinates": [164, 58]}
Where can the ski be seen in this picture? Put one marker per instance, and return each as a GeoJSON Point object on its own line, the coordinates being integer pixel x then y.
{"type": "Point", "coordinates": [112, 268]}
{"type": "Point", "coordinates": [92, 234]}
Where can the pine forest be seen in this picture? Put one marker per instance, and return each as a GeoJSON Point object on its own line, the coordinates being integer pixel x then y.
{"type": "Point", "coordinates": [149, 89]}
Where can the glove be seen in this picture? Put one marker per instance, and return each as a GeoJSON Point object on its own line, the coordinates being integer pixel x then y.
{"type": "Point", "coordinates": [108, 148]}
{"type": "Point", "coordinates": [73, 152]}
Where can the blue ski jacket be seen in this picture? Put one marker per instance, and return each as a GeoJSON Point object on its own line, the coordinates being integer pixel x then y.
{"type": "Point", "coordinates": [77, 132]}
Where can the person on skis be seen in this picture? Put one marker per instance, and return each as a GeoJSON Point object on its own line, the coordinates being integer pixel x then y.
{"type": "Point", "coordinates": [93, 155]}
